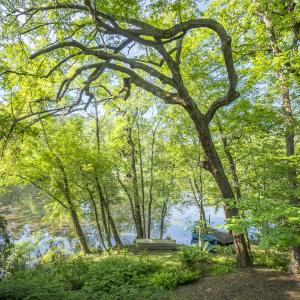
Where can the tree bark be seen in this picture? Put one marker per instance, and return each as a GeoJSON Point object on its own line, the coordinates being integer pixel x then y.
{"type": "Point", "coordinates": [136, 199]}
{"type": "Point", "coordinates": [66, 189]}
{"type": "Point", "coordinates": [201, 204]}
{"type": "Point", "coordinates": [142, 176]}
{"type": "Point", "coordinates": [96, 218]}
{"type": "Point", "coordinates": [111, 221]}
{"type": "Point", "coordinates": [102, 209]}
{"type": "Point", "coordinates": [162, 219]}
{"type": "Point", "coordinates": [215, 167]}
{"type": "Point", "coordinates": [151, 181]}
{"type": "Point", "coordinates": [201, 213]}
{"type": "Point", "coordinates": [79, 232]}
{"type": "Point", "coordinates": [232, 166]}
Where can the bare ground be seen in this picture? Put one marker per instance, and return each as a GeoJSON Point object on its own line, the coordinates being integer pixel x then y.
{"type": "Point", "coordinates": [249, 284]}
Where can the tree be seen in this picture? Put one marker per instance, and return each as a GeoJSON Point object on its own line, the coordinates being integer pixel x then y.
{"type": "Point", "coordinates": [97, 51]}
{"type": "Point", "coordinates": [268, 37]}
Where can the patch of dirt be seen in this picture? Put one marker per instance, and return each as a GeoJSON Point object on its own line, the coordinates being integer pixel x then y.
{"type": "Point", "coordinates": [248, 284]}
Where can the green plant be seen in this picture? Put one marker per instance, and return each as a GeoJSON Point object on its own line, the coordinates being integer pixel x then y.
{"type": "Point", "coordinates": [5, 245]}
{"type": "Point", "coordinates": [271, 259]}
{"type": "Point", "coordinates": [190, 256]}
{"type": "Point", "coordinates": [114, 277]}
{"type": "Point", "coordinates": [220, 269]}
{"type": "Point", "coordinates": [225, 250]}
{"type": "Point", "coordinates": [171, 279]}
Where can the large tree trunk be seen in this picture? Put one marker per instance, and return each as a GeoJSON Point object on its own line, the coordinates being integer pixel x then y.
{"type": "Point", "coordinates": [214, 166]}
{"type": "Point", "coordinates": [289, 129]}
{"type": "Point", "coordinates": [79, 232]}
{"type": "Point", "coordinates": [136, 198]}
{"type": "Point", "coordinates": [235, 178]}
{"type": "Point", "coordinates": [231, 162]}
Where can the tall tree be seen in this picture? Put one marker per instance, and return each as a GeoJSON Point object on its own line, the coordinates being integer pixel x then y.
{"type": "Point", "coordinates": [98, 52]}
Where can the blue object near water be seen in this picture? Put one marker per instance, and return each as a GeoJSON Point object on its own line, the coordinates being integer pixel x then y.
{"type": "Point", "coordinates": [209, 240]}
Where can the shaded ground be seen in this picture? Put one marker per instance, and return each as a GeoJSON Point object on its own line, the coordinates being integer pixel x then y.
{"type": "Point", "coordinates": [250, 284]}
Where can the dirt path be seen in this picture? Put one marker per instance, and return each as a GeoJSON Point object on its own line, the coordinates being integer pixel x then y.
{"type": "Point", "coordinates": [250, 284]}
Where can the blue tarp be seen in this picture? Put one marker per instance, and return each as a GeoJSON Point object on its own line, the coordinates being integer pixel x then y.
{"type": "Point", "coordinates": [210, 240]}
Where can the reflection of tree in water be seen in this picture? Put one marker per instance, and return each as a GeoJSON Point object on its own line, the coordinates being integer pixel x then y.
{"type": "Point", "coordinates": [21, 205]}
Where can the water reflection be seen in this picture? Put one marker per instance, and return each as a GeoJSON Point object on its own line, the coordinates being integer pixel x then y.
{"type": "Point", "coordinates": [178, 226]}
{"type": "Point", "coordinates": [181, 221]}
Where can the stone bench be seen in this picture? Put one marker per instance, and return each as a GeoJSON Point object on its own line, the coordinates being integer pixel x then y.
{"type": "Point", "coordinates": [156, 244]}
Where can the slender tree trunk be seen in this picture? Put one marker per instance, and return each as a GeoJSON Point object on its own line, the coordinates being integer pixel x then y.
{"type": "Point", "coordinates": [201, 204]}
{"type": "Point", "coordinates": [150, 190]}
{"type": "Point", "coordinates": [96, 218]}
{"type": "Point", "coordinates": [136, 199]}
{"type": "Point", "coordinates": [197, 201]}
{"type": "Point", "coordinates": [162, 219]}
{"type": "Point", "coordinates": [111, 221]}
{"type": "Point", "coordinates": [66, 189]}
{"type": "Point", "coordinates": [97, 128]}
{"type": "Point", "coordinates": [129, 198]}
{"type": "Point", "coordinates": [102, 209]}
{"type": "Point", "coordinates": [289, 130]}
{"type": "Point", "coordinates": [151, 181]}
{"type": "Point", "coordinates": [142, 176]}
{"type": "Point", "coordinates": [200, 189]}
{"type": "Point", "coordinates": [214, 166]}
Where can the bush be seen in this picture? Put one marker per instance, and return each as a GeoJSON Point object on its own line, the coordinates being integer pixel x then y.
{"type": "Point", "coordinates": [119, 277]}
{"type": "Point", "coordinates": [272, 259]}
{"type": "Point", "coordinates": [26, 287]}
{"type": "Point", "coordinates": [172, 279]}
{"type": "Point", "coordinates": [191, 256]}
{"type": "Point", "coordinates": [107, 278]}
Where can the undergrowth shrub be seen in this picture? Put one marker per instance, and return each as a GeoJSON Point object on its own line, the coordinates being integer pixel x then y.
{"type": "Point", "coordinates": [271, 259]}
{"type": "Point", "coordinates": [220, 269]}
{"type": "Point", "coordinates": [107, 278]}
{"type": "Point", "coordinates": [191, 256]}
{"type": "Point", "coordinates": [171, 279]}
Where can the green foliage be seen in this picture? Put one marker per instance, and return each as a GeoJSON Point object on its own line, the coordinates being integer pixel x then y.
{"type": "Point", "coordinates": [122, 276]}
{"type": "Point", "coordinates": [173, 278]}
{"type": "Point", "coordinates": [220, 269]}
{"type": "Point", "coordinates": [272, 259]}
{"type": "Point", "coordinates": [5, 245]}
{"type": "Point", "coordinates": [191, 256]}
{"type": "Point", "coordinates": [62, 157]}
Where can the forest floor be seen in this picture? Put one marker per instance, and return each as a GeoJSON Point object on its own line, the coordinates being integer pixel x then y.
{"type": "Point", "coordinates": [249, 284]}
